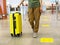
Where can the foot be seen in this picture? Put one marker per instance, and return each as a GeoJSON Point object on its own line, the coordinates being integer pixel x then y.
{"type": "Point", "coordinates": [35, 35]}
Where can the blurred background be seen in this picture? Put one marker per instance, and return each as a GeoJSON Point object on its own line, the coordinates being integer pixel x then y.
{"type": "Point", "coordinates": [49, 25]}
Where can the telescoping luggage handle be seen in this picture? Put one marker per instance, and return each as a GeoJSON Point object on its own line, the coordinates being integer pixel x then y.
{"type": "Point", "coordinates": [16, 9]}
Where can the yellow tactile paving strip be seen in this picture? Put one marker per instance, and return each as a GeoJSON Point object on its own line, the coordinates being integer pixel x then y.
{"type": "Point", "coordinates": [46, 40]}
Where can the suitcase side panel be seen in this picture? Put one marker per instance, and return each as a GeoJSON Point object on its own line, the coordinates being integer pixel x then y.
{"type": "Point", "coordinates": [21, 23]}
{"type": "Point", "coordinates": [11, 24]}
{"type": "Point", "coordinates": [18, 23]}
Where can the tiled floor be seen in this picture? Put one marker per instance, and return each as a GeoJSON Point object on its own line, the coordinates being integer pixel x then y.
{"type": "Point", "coordinates": [49, 28]}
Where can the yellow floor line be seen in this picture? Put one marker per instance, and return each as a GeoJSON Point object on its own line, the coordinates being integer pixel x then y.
{"type": "Point", "coordinates": [46, 40]}
{"type": "Point", "coordinates": [45, 25]}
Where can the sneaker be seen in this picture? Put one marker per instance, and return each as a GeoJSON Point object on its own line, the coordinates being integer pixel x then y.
{"type": "Point", "coordinates": [35, 35]}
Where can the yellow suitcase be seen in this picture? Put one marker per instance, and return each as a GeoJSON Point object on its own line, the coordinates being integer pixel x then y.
{"type": "Point", "coordinates": [15, 24]}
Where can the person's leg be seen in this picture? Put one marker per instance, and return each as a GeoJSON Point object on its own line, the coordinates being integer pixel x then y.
{"type": "Point", "coordinates": [37, 18]}
{"type": "Point", "coordinates": [36, 25]}
{"type": "Point", "coordinates": [31, 17]}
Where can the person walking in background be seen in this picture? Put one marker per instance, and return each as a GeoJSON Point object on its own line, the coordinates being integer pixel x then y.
{"type": "Point", "coordinates": [34, 12]}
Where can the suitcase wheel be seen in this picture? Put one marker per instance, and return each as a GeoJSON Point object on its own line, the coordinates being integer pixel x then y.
{"type": "Point", "coordinates": [15, 35]}
{"type": "Point", "coordinates": [21, 34]}
{"type": "Point", "coordinates": [18, 35]}
{"type": "Point", "coordinates": [12, 35]}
